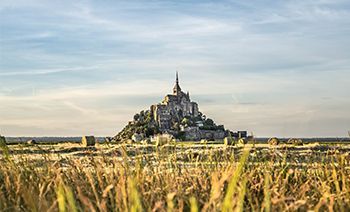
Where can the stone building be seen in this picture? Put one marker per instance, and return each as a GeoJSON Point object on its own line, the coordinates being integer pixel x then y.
{"type": "Point", "coordinates": [174, 108]}
{"type": "Point", "coordinates": [177, 115]}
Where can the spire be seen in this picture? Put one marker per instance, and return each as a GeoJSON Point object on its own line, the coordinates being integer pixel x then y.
{"type": "Point", "coordinates": [177, 77]}
{"type": "Point", "coordinates": [177, 89]}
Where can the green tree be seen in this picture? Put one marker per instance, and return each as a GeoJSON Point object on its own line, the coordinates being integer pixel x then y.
{"type": "Point", "coordinates": [185, 122]}
{"type": "Point", "coordinates": [209, 122]}
{"type": "Point", "coordinates": [136, 117]}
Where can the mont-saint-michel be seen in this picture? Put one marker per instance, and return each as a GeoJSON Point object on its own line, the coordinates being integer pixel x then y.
{"type": "Point", "coordinates": [176, 115]}
{"type": "Point", "coordinates": [94, 116]}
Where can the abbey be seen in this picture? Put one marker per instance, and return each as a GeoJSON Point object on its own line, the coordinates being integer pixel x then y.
{"type": "Point", "coordinates": [176, 115]}
{"type": "Point", "coordinates": [174, 108]}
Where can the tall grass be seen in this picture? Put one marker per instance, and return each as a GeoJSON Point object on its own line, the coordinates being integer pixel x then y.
{"type": "Point", "coordinates": [129, 178]}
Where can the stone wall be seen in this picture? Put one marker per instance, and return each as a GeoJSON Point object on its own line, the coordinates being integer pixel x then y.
{"type": "Point", "coordinates": [195, 134]}
{"type": "Point", "coordinates": [212, 134]}
{"type": "Point", "coordinates": [192, 133]}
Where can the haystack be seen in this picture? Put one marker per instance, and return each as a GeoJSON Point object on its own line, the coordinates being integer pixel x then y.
{"type": "Point", "coordinates": [204, 141]}
{"type": "Point", "coordinates": [2, 140]}
{"type": "Point", "coordinates": [88, 141]}
{"type": "Point", "coordinates": [295, 141]}
{"type": "Point", "coordinates": [273, 141]}
{"type": "Point", "coordinates": [31, 142]}
{"type": "Point", "coordinates": [163, 139]}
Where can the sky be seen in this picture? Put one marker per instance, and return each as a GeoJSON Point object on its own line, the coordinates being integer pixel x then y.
{"type": "Point", "coordinates": [273, 68]}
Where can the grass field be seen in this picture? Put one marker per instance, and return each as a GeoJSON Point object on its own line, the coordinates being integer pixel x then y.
{"type": "Point", "coordinates": [180, 177]}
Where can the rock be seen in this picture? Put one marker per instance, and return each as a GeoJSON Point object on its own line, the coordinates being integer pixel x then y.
{"type": "Point", "coordinates": [273, 141]}
{"type": "Point", "coordinates": [137, 137]}
{"type": "Point", "coordinates": [228, 141]}
{"type": "Point", "coordinates": [31, 142]}
{"type": "Point", "coordinates": [192, 133]}
{"type": "Point", "coordinates": [88, 141]}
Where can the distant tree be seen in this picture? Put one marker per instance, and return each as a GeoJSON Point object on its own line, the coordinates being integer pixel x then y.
{"type": "Point", "coordinates": [181, 136]}
{"type": "Point", "coordinates": [148, 119]}
{"type": "Point", "coordinates": [136, 117]}
{"type": "Point", "coordinates": [185, 122]}
{"type": "Point", "coordinates": [209, 122]}
{"type": "Point", "coordinates": [197, 118]}
{"type": "Point", "coordinates": [150, 131]}
{"type": "Point", "coordinates": [221, 127]}
{"type": "Point", "coordinates": [142, 113]}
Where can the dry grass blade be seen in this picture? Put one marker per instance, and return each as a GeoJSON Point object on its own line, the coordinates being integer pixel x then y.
{"type": "Point", "coordinates": [232, 186]}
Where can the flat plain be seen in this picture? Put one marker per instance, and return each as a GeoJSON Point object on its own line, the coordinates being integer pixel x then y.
{"type": "Point", "coordinates": [175, 177]}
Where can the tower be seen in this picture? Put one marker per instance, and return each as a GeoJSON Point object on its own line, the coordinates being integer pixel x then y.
{"type": "Point", "coordinates": [177, 89]}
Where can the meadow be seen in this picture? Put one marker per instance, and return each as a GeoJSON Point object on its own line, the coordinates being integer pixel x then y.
{"type": "Point", "coordinates": [176, 177]}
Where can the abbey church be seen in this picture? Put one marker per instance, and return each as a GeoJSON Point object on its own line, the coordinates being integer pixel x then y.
{"type": "Point", "coordinates": [174, 107]}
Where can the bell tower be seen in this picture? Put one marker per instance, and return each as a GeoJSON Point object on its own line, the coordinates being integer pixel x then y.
{"type": "Point", "coordinates": [177, 89]}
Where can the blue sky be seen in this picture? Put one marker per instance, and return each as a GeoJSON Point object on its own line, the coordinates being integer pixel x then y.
{"type": "Point", "coordinates": [276, 68]}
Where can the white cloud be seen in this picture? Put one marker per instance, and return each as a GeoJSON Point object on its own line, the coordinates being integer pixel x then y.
{"type": "Point", "coordinates": [47, 71]}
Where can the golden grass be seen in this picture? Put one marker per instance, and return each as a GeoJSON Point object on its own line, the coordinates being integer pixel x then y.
{"type": "Point", "coordinates": [175, 178]}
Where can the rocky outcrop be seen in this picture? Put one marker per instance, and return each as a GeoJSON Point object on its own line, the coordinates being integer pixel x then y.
{"type": "Point", "coordinates": [176, 115]}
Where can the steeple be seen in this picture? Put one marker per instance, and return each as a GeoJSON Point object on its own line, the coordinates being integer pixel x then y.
{"type": "Point", "coordinates": [177, 77]}
{"type": "Point", "coordinates": [177, 89]}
